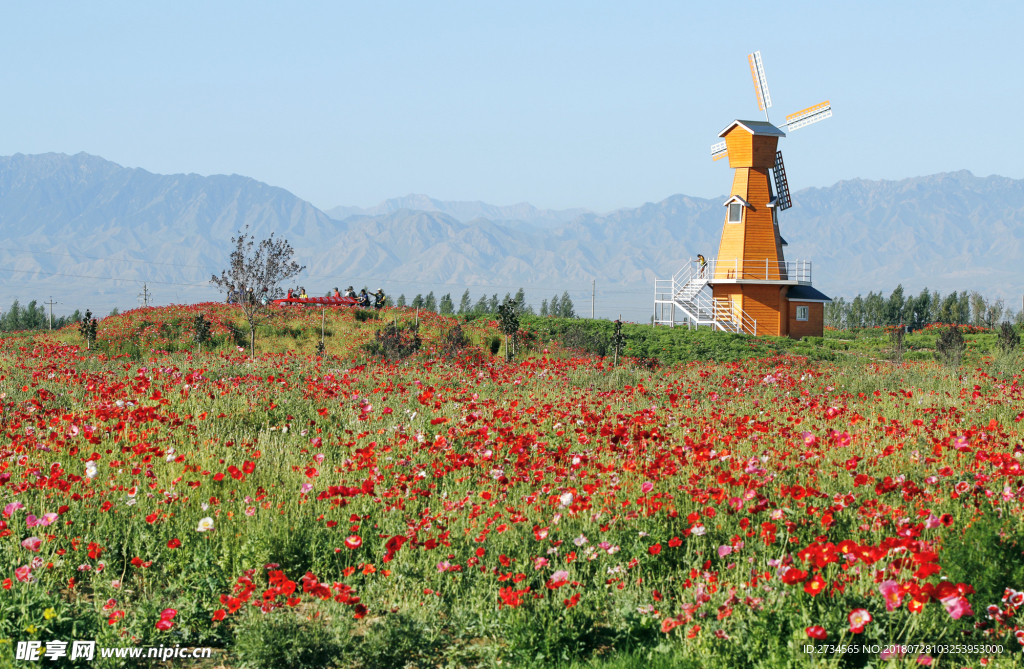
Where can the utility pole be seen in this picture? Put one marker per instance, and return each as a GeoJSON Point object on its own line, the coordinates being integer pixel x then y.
{"type": "Point", "coordinates": [593, 292]}
{"type": "Point", "coordinates": [145, 295]}
{"type": "Point", "coordinates": [51, 303]}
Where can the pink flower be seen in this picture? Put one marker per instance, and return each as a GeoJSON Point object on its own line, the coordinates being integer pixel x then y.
{"type": "Point", "coordinates": [444, 566]}
{"type": "Point", "coordinates": [724, 550]}
{"type": "Point", "coordinates": [858, 619]}
{"type": "Point", "coordinates": [647, 487]}
{"type": "Point", "coordinates": [32, 543]}
{"type": "Point", "coordinates": [319, 457]}
{"type": "Point", "coordinates": [957, 607]}
{"type": "Point", "coordinates": [892, 593]}
{"type": "Point", "coordinates": [558, 579]}
{"type": "Point", "coordinates": [539, 563]}
{"type": "Point", "coordinates": [11, 508]}
{"type": "Point", "coordinates": [925, 660]}
{"type": "Point", "coordinates": [23, 573]}
{"type": "Point", "coordinates": [306, 487]}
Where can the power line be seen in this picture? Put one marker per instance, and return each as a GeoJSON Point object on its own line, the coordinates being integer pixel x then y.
{"type": "Point", "coordinates": [310, 275]}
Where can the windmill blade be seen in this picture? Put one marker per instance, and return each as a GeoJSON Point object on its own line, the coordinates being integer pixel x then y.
{"type": "Point", "coordinates": [818, 112]}
{"type": "Point", "coordinates": [719, 151]}
{"type": "Point", "coordinates": [781, 184]}
{"type": "Point", "coordinates": [764, 99]}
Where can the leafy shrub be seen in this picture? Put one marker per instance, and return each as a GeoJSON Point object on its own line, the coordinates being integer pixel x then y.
{"type": "Point", "coordinates": [453, 341]}
{"type": "Point", "coordinates": [363, 315]}
{"type": "Point", "coordinates": [1008, 338]}
{"type": "Point", "coordinates": [581, 338]}
{"type": "Point", "coordinates": [495, 345]}
{"type": "Point", "coordinates": [950, 346]}
{"type": "Point", "coordinates": [286, 640]}
{"type": "Point", "coordinates": [395, 341]}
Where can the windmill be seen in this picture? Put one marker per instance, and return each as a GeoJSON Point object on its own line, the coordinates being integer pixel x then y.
{"type": "Point", "coordinates": [795, 121]}
{"type": "Point", "coordinates": [750, 286]}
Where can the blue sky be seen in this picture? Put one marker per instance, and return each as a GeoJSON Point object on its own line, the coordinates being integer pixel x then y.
{"type": "Point", "coordinates": [599, 105]}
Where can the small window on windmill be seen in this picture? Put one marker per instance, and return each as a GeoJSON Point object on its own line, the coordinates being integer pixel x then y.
{"type": "Point", "coordinates": [803, 313]}
{"type": "Point", "coordinates": [735, 212]}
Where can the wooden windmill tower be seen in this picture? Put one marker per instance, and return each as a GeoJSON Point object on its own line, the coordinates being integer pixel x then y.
{"type": "Point", "coordinates": [750, 286]}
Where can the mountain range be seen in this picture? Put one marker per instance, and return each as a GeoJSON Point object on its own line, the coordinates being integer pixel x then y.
{"type": "Point", "coordinates": [88, 232]}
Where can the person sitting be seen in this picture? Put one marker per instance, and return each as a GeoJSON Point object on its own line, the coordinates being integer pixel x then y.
{"type": "Point", "coordinates": [289, 293]}
{"type": "Point", "coordinates": [364, 299]}
{"type": "Point", "coordinates": [379, 298]}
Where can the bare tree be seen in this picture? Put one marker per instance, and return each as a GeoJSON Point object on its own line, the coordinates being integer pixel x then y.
{"type": "Point", "coordinates": [253, 278]}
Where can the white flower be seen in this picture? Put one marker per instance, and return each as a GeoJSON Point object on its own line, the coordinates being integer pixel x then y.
{"type": "Point", "coordinates": [205, 524]}
{"type": "Point", "coordinates": [565, 498]}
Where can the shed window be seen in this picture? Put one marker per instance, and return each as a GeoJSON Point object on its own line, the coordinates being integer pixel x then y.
{"type": "Point", "coordinates": [803, 313]}
{"type": "Point", "coordinates": [735, 211]}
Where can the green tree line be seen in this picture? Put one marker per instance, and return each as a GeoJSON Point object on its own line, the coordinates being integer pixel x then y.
{"type": "Point", "coordinates": [558, 306]}
{"type": "Point", "coordinates": [33, 316]}
{"type": "Point", "coordinates": [963, 308]}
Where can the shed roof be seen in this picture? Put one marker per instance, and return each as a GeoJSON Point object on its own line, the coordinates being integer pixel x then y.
{"type": "Point", "coordinates": [754, 128]}
{"type": "Point", "coordinates": [737, 199]}
{"type": "Point", "coordinates": [806, 294]}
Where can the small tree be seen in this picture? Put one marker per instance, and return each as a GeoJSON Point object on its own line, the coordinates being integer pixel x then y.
{"type": "Point", "coordinates": [447, 306]}
{"type": "Point", "coordinates": [896, 335]}
{"type": "Point", "coordinates": [508, 323]}
{"type": "Point", "coordinates": [430, 302]}
{"type": "Point", "coordinates": [256, 274]}
{"type": "Point", "coordinates": [465, 304]}
{"type": "Point", "coordinates": [401, 300]}
{"type": "Point", "coordinates": [618, 342]}
{"type": "Point", "coordinates": [201, 330]}
{"type": "Point", "coordinates": [87, 327]}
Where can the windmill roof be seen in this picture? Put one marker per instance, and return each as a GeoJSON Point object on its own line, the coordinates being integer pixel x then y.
{"type": "Point", "coordinates": [806, 294]}
{"type": "Point", "coordinates": [754, 128]}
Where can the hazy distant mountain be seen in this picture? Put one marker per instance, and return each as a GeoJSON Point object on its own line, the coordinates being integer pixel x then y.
{"type": "Point", "coordinates": [463, 211]}
{"type": "Point", "coordinates": [85, 230]}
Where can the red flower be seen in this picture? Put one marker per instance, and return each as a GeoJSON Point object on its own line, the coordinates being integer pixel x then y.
{"type": "Point", "coordinates": [794, 576]}
{"type": "Point", "coordinates": [174, 543]}
{"type": "Point", "coordinates": [511, 597]}
{"type": "Point", "coordinates": [353, 542]}
{"type": "Point", "coordinates": [655, 549]}
{"type": "Point", "coordinates": [815, 585]}
{"type": "Point", "coordinates": [219, 614]}
{"type": "Point", "coordinates": [572, 601]}
{"type": "Point", "coordinates": [675, 542]}
{"type": "Point", "coordinates": [817, 632]}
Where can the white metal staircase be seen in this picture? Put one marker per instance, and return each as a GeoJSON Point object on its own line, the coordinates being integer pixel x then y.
{"type": "Point", "coordinates": [689, 293]}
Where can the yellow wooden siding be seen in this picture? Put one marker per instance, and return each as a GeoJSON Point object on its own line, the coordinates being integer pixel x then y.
{"type": "Point", "coordinates": [741, 147]}
{"type": "Point", "coordinates": [760, 242]}
{"type": "Point", "coordinates": [761, 303]}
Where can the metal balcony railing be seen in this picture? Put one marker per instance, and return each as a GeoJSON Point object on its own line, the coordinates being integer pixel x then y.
{"type": "Point", "coordinates": [790, 271]}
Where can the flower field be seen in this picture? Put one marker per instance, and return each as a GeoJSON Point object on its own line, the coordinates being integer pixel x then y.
{"type": "Point", "coordinates": [459, 510]}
